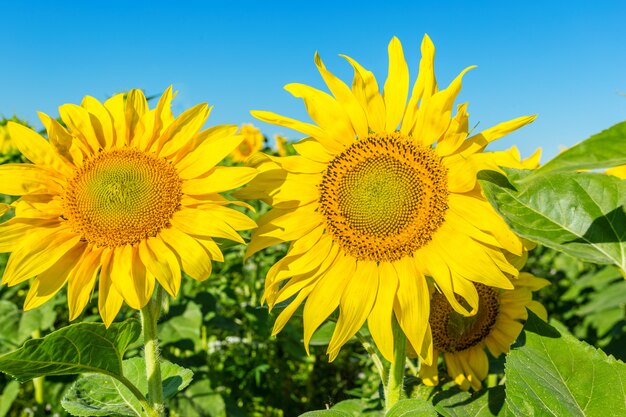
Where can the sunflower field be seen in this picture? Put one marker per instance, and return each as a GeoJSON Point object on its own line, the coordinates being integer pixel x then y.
{"type": "Point", "coordinates": [385, 262]}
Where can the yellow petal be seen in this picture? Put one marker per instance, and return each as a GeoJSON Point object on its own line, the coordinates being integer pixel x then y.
{"type": "Point", "coordinates": [37, 253]}
{"type": "Point", "coordinates": [327, 113]}
{"type": "Point", "coordinates": [356, 304]}
{"type": "Point", "coordinates": [117, 109]}
{"type": "Point", "coordinates": [456, 133]}
{"type": "Point", "coordinates": [325, 138]}
{"type": "Point", "coordinates": [50, 281]}
{"type": "Point", "coordinates": [208, 154]}
{"type": "Point", "coordinates": [309, 260]}
{"type": "Point", "coordinates": [82, 280]}
{"type": "Point", "coordinates": [21, 179]}
{"type": "Point", "coordinates": [101, 121]}
{"type": "Point", "coordinates": [136, 107]}
{"type": "Point", "coordinates": [313, 150]}
{"type": "Point", "coordinates": [379, 320]}
{"type": "Point", "coordinates": [345, 98]}
{"type": "Point", "coordinates": [219, 179]}
{"type": "Point", "coordinates": [162, 263]}
{"type": "Point", "coordinates": [413, 307]}
{"type": "Point", "coordinates": [191, 254]}
{"type": "Point", "coordinates": [77, 119]}
{"type": "Point", "coordinates": [14, 230]}
{"type": "Point", "coordinates": [478, 142]}
{"type": "Point", "coordinates": [182, 130]}
{"type": "Point", "coordinates": [285, 226]}
{"type": "Point", "coordinates": [203, 223]}
{"type": "Point", "coordinates": [288, 311]}
{"type": "Point", "coordinates": [325, 297]}
{"type": "Point", "coordinates": [429, 374]}
{"type": "Point", "coordinates": [36, 149]}
{"type": "Point", "coordinates": [435, 114]}
{"type": "Point", "coordinates": [365, 89]}
{"type": "Point", "coordinates": [424, 87]}
{"type": "Point", "coordinates": [129, 276]}
{"type": "Point", "coordinates": [396, 88]}
{"type": "Point", "coordinates": [109, 301]}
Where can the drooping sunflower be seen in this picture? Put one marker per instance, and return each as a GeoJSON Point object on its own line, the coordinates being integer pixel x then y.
{"type": "Point", "coordinates": [382, 195]}
{"type": "Point", "coordinates": [252, 142]}
{"type": "Point", "coordinates": [496, 325]}
{"type": "Point", "coordinates": [126, 195]}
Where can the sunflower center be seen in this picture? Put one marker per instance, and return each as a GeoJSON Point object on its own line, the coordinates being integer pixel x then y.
{"type": "Point", "coordinates": [453, 332]}
{"type": "Point", "coordinates": [384, 197]}
{"type": "Point", "coordinates": [122, 196]}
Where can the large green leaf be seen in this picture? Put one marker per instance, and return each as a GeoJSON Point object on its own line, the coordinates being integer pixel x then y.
{"type": "Point", "coordinates": [8, 395]}
{"type": "Point", "coordinates": [603, 150]}
{"type": "Point", "coordinates": [103, 395]}
{"type": "Point", "coordinates": [457, 403]}
{"type": "Point", "coordinates": [581, 214]}
{"type": "Point", "coordinates": [554, 374]}
{"type": "Point", "coordinates": [79, 348]}
{"type": "Point", "coordinates": [412, 407]}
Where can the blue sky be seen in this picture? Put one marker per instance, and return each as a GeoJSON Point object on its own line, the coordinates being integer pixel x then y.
{"type": "Point", "coordinates": [562, 60]}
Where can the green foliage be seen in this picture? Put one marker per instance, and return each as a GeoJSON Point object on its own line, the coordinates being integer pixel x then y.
{"type": "Point", "coordinates": [456, 403]}
{"type": "Point", "coordinates": [103, 395]}
{"type": "Point", "coordinates": [604, 150]}
{"type": "Point", "coordinates": [82, 347]}
{"type": "Point", "coordinates": [581, 214]}
{"type": "Point", "coordinates": [552, 373]}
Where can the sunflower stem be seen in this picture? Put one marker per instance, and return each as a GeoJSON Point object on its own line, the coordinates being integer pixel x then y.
{"type": "Point", "coordinates": [395, 386]}
{"type": "Point", "coordinates": [38, 382]}
{"type": "Point", "coordinates": [149, 315]}
{"type": "Point", "coordinates": [369, 348]}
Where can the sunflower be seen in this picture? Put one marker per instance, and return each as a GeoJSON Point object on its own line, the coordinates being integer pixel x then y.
{"type": "Point", "coordinates": [127, 194]}
{"type": "Point", "coordinates": [382, 194]}
{"type": "Point", "coordinates": [252, 143]}
{"type": "Point", "coordinates": [496, 325]}
{"type": "Point", "coordinates": [619, 171]}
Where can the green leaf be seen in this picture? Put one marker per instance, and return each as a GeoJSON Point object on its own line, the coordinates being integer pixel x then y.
{"type": "Point", "coordinates": [457, 403]}
{"type": "Point", "coordinates": [185, 326]}
{"type": "Point", "coordinates": [323, 334]}
{"type": "Point", "coordinates": [326, 413]}
{"type": "Point", "coordinates": [581, 214]}
{"type": "Point", "coordinates": [603, 150]}
{"type": "Point", "coordinates": [412, 407]}
{"type": "Point", "coordinates": [357, 408]}
{"type": "Point", "coordinates": [553, 373]}
{"type": "Point", "coordinates": [9, 326]}
{"type": "Point", "coordinates": [79, 348]}
{"type": "Point", "coordinates": [103, 395]}
{"type": "Point", "coordinates": [9, 394]}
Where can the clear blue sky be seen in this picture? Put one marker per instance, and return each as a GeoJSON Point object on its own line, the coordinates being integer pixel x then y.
{"type": "Point", "coordinates": [563, 60]}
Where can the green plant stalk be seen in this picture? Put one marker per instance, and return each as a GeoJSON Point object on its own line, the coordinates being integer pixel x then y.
{"type": "Point", "coordinates": [371, 351]}
{"type": "Point", "coordinates": [395, 386]}
{"type": "Point", "coordinates": [38, 382]}
{"type": "Point", "coordinates": [149, 315]}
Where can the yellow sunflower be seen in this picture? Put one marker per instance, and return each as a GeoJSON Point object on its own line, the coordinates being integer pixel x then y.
{"type": "Point", "coordinates": [127, 194]}
{"type": "Point", "coordinates": [496, 325]}
{"type": "Point", "coordinates": [382, 194]}
{"type": "Point", "coordinates": [252, 143]}
{"type": "Point", "coordinates": [7, 147]}
{"type": "Point", "coordinates": [619, 171]}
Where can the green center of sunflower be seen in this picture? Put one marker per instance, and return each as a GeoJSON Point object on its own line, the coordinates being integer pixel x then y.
{"type": "Point", "coordinates": [453, 332]}
{"type": "Point", "coordinates": [122, 196]}
{"type": "Point", "coordinates": [384, 197]}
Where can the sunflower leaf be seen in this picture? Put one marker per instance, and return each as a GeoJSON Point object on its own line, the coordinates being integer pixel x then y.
{"type": "Point", "coordinates": [603, 150]}
{"type": "Point", "coordinates": [412, 407]}
{"type": "Point", "coordinates": [581, 214]}
{"type": "Point", "coordinates": [103, 395]}
{"type": "Point", "coordinates": [485, 403]}
{"type": "Point", "coordinates": [553, 373]}
{"type": "Point", "coordinates": [79, 348]}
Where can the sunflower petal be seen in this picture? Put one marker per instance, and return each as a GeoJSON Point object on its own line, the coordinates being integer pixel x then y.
{"type": "Point", "coordinates": [345, 98]}
{"type": "Point", "coordinates": [219, 179]}
{"type": "Point", "coordinates": [81, 282]}
{"type": "Point", "coordinates": [396, 88]}
{"type": "Point", "coordinates": [379, 320]}
{"type": "Point", "coordinates": [191, 254]}
{"type": "Point", "coordinates": [50, 281]}
{"type": "Point", "coordinates": [109, 300]}
{"type": "Point", "coordinates": [356, 304]}
{"type": "Point", "coordinates": [164, 266]}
